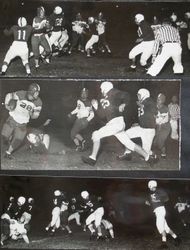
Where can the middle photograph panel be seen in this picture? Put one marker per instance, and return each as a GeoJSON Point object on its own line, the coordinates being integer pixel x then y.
{"type": "Point", "coordinates": [128, 124]}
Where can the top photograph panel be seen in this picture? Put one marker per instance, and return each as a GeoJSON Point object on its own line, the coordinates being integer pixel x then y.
{"type": "Point", "coordinates": [94, 39]}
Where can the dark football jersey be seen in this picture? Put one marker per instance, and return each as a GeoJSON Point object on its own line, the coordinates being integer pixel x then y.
{"type": "Point", "coordinates": [74, 206]}
{"type": "Point", "coordinates": [57, 201]}
{"type": "Point", "coordinates": [158, 198]}
{"type": "Point", "coordinates": [29, 208]}
{"type": "Point", "coordinates": [21, 34]}
{"type": "Point", "coordinates": [11, 209]}
{"type": "Point", "coordinates": [145, 31]}
{"type": "Point", "coordinates": [19, 210]}
{"type": "Point", "coordinates": [92, 29]}
{"type": "Point", "coordinates": [147, 113]}
{"type": "Point", "coordinates": [57, 21]}
{"type": "Point", "coordinates": [110, 104]}
{"type": "Point", "coordinates": [91, 204]}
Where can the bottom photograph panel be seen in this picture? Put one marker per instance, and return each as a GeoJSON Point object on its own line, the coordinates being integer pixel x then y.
{"type": "Point", "coordinates": [70, 213]}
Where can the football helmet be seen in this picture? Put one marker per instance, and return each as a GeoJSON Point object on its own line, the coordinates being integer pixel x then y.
{"type": "Point", "coordinates": [33, 91]}
{"type": "Point", "coordinates": [22, 22]}
{"type": "Point", "coordinates": [161, 98]}
{"type": "Point", "coordinates": [106, 87]}
{"type": "Point", "coordinates": [143, 94]}
{"type": "Point", "coordinates": [58, 10]}
{"type": "Point", "coordinates": [90, 19]}
{"type": "Point", "coordinates": [173, 17]}
{"type": "Point", "coordinates": [41, 12]}
{"type": "Point", "coordinates": [139, 18]}
{"type": "Point", "coordinates": [187, 15]}
{"type": "Point", "coordinates": [30, 200]}
{"type": "Point", "coordinates": [84, 194]}
{"type": "Point", "coordinates": [57, 192]}
{"type": "Point", "coordinates": [21, 200]}
{"type": "Point", "coordinates": [152, 184]}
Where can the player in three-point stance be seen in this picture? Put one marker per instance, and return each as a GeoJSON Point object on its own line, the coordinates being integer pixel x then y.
{"type": "Point", "coordinates": [22, 106]}
{"type": "Point", "coordinates": [157, 199]}
{"type": "Point", "coordinates": [19, 47]}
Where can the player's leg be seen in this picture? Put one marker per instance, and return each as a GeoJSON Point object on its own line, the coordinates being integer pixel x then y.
{"type": "Point", "coordinates": [55, 221]}
{"type": "Point", "coordinates": [147, 136]}
{"type": "Point", "coordinates": [10, 55]}
{"type": "Point", "coordinates": [24, 57]}
{"type": "Point", "coordinates": [161, 136]}
{"type": "Point", "coordinates": [78, 126]}
{"type": "Point", "coordinates": [47, 48]}
{"type": "Point", "coordinates": [188, 41]}
{"type": "Point", "coordinates": [160, 223]}
{"type": "Point", "coordinates": [147, 53]}
{"type": "Point", "coordinates": [35, 41]}
{"type": "Point", "coordinates": [89, 223]}
{"type": "Point", "coordinates": [98, 218]}
{"type": "Point", "coordinates": [138, 49]}
{"type": "Point", "coordinates": [94, 39]}
{"type": "Point", "coordinates": [160, 61]}
{"type": "Point", "coordinates": [7, 130]}
{"type": "Point", "coordinates": [63, 39]}
{"type": "Point", "coordinates": [113, 127]}
{"type": "Point", "coordinates": [74, 41]}
{"type": "Point", "coordinates": [176, 56]}
{"type": "Point", "coordinates": [174, 129]}
{"type": "Point", "coordinates": [17, 138]}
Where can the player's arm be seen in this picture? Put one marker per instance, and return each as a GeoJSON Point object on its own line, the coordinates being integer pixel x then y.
{"type": "Point", "coordinates": [8, 98]}
{"type": "Point", "coordinates": [35, 113]}
{"type": "Point", "coordinates": [91, 115]}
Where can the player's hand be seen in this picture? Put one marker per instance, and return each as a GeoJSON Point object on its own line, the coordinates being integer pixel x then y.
{"type": "Point", "coordinates": [139, 40]}
{"type": "Point", "coordinates": [11, 105]}
{"type": "Point", "coordinates": [122, 107]}
{"type": "Point", "coordinates": [94, 103]}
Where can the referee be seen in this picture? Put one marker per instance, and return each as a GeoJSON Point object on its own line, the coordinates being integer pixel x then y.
{"type": "Point", "coordinates": [167, 45]}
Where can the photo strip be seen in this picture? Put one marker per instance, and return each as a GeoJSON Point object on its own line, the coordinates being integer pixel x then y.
{"type": "Point", "coordinates": [70, 213]}
{"type": "Point", "coordinates": [129, 124]}
{"type": "Point", "coordinates": [85, 39]}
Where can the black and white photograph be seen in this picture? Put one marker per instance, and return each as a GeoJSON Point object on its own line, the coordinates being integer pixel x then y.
{"type": "Point", "coordinates": [70, 213]}
{"type": "Point", "coordinates": [94, 38]}
{"type": "Point", "coordinates": [91, 124]}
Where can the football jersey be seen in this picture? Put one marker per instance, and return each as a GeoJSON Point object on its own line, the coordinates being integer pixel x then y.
{"type": "Point", "coordinates": [79, 26]}
{"type": "Point", "coordinates": [158, 198]}
{"type": "Point", "coordinates": [57, 21]}
{"type": "Point", "coordinates": [93, 29]}
{"type": "Point", "coordinates": [57, 201]}
{"type": "Point", "coordinates": [39, 25]}
{"type": "Point", "coordinates": [74, 207]}
{"type": "Point", "coordinates": [21, 34]}
{"type": "Point", "coordinates": [83, 109]}
{"type": "Point", "coordinates": [111, 102]}
{"type": "Point", "coordinates": [18, 211]}
{"type": "Point", "coordinates": [147, 113]}
{"type": "Point", "coordinates": [162, 116]}
{"type": "Point", "coordinates": [24, 107]}
{"type": "Point", "coordinates": [174, 111]}
{"type": "Point", "coordinates": [145, 31]}
{"type": "Point", "coordinates": [91, 204]}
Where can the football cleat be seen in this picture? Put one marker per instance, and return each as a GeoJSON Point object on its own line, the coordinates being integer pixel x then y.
{"type": "Point", "coordinates": [88, 160]}
{"type": "Point", "coordinates": [177, 241]}
{"type": "Point", "coordinates": [125, 156]}
{"type": "Point", "coordinates": [93, 236]}
{"type": "Point", "coordinates": [2, 73]}
{"type": "Point", "coordinates": [152, 159]}
{"type": "Point", "coordinates": [163, 246]}
{"type": "Point", "coordinates": [163, 156]}
{"type": "Point", "coordinates": [47, 229]}
{"type": "Point", "coordinates": [8, 156]}
{"type": "Point", "coordinates": [100, 238]}
{"type": "Point", "coordinates": [131, 69]}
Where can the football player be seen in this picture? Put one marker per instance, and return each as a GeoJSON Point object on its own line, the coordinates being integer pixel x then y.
{"type": "Point", "coordinates": [157, 199]}
{"type": "Point", "coordinates": [94, 37]}
{"type": "Point", "coordinates": [27, 214]}
{"type": "Point", "coordinates": [145, 43]}
{"type": "Point", "coordinates": [74, 211]}
{"type": "Point", "coordinates": [39, 37]}
{"type": "Point", "coordinates": [84, 114]}
{"type": "Point", "coordinates": [79, 27]}
{"type": "Point", "coordinates": [113, 103]}
{"type": "Point", "coordinates": [27, 105]}
{"type": "Point", "coordinates": [96, 211]}
{"type": "Point", "coordinates": [59, 35]}
{"type": "Point", "coordinates": [182, 207]}
{"type": "Point", "coordinates": [163, 127]}
{"type": "Point", "coordinates": [101, 28]}
{"type": "Point", "coordinates": [174, 112]}
{"type": "Point", "coordinates": [55, 220]}
{"type": "Point", "coordinates": [21, 33]}
{"type": "Point", "coordinates": [64, 214]}
{"type": "Point", "coordinates": [145, 129]}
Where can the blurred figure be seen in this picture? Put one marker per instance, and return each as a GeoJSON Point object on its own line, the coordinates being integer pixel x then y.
{"type": "Point", "coordinates": [187, 18]}
{"type": "Point", "coordinates": [174, 112]}
{"type": "Point", "coordinates": [157, 199]}
{"type": "Point", "coordinates": [94, 37]}
{"type": "Point", "coordinates": [182, 208]}
{"type": "Point", "coordinates": [163, 127]}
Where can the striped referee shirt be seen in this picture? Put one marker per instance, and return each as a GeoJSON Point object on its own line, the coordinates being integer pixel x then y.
{"type": "Point", "coordinates": [165, 34]}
